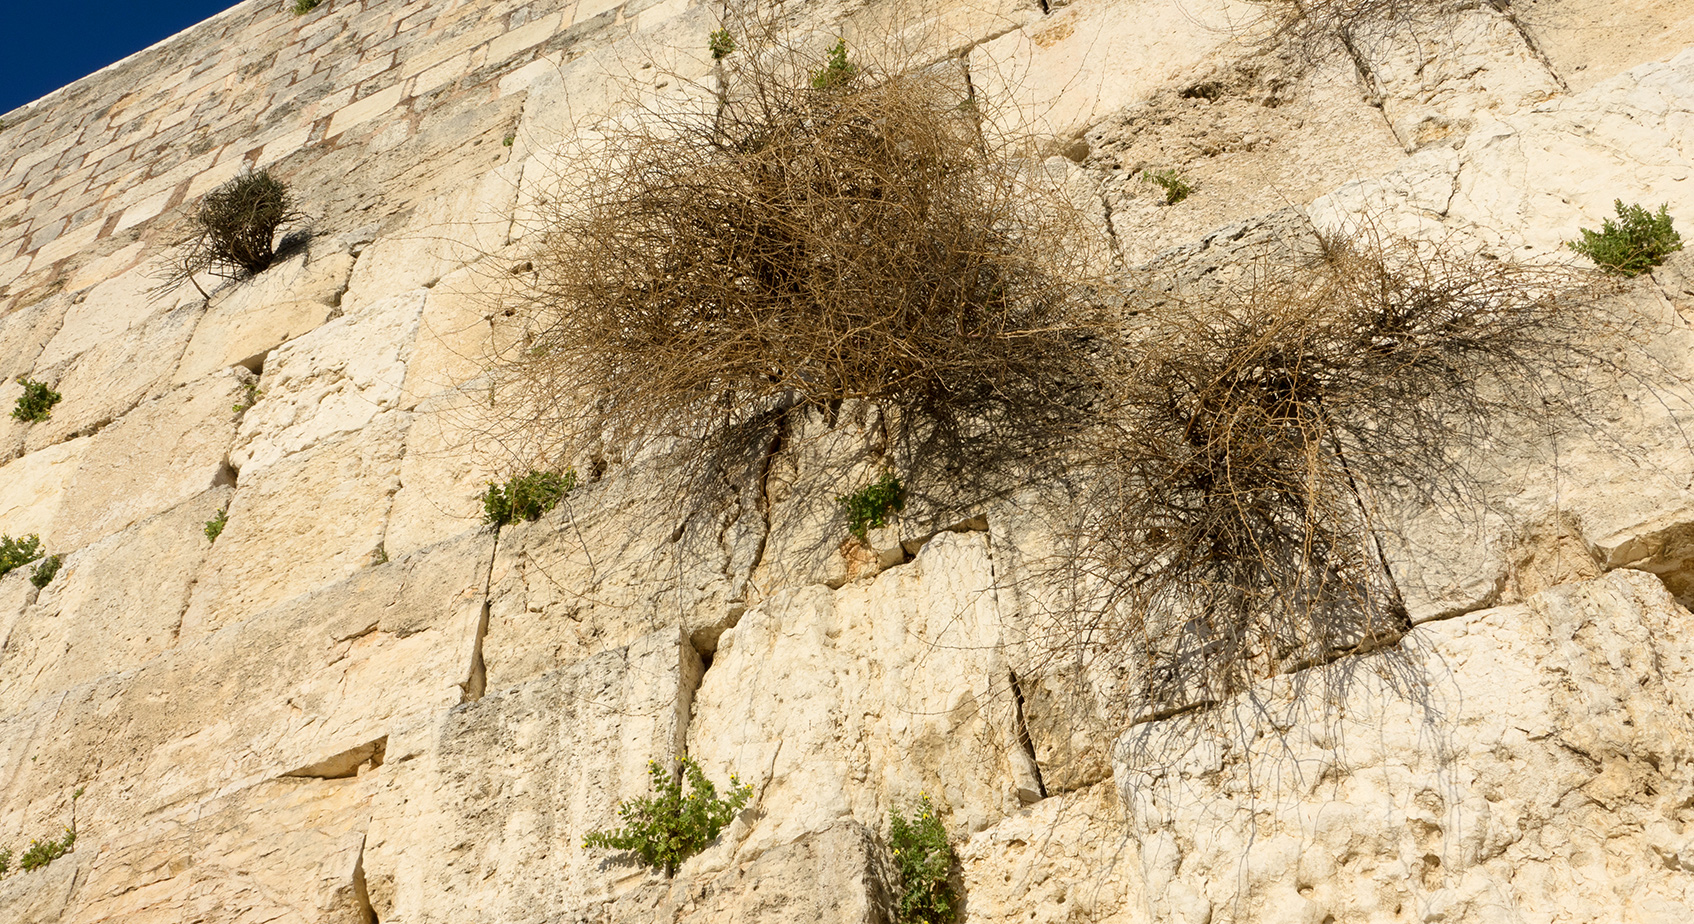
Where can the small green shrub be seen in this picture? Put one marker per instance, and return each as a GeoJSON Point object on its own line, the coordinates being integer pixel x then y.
{"type": "Point", "coordinates": [36, 403]}
{"type": "Point", "coordinates": [5, 860]}
{"type": "Point", "coordinates": [721, 44]}
{"type": "Point", "coordinates": [526, 497]}
{"type": "Point", "coordinates": [15, 553]}
{"type": "Point", "coordinates": [925, 861]}
{"type": "Point", "coordinates": [42, 574]}
{"type": "Point", "coordinates": [871, 507]}
{"type": "Point", "coordinates": [302, 7]}
{"type": "Point", "coordinates": [837, 70]}
{"type": "Point", "coordinates": [252, 396]}
{"type": "Point", "coordinates": [1175, 187]}
{"type": "Point", "coordinates": [41, 853]}
{"type": "Point", "coordinates": [1639, 241]}
{"type": "Point", "coordinates": [668, 828]}
{"type": "Point", "coordinates": [215, 526]}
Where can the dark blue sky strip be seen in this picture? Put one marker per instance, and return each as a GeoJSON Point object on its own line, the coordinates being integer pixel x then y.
{"type": "Point", "coordinates": [50, 43]}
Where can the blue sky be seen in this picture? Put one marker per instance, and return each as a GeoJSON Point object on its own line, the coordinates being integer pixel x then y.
{"type": "Point", "coordinates": [49, 43]}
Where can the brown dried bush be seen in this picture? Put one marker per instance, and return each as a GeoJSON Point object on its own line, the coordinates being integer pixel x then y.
{"type": "Point", "coordinates": [1231, 531]}
{"type": "Point", "coordinates": [232, 232]}
{"type": "Point", "coordinates": [785, 246]}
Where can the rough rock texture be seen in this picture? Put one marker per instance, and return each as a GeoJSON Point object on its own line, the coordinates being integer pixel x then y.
{"type": "Point", "coordinates": [363, 703]}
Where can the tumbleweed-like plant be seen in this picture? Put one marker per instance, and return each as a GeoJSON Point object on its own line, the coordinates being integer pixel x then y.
{"type": "Point", "coordinates": [232, 232]}
{"type": "Point", "coordinates": [1232, 532]}
{"type": "Point", "coordinates": [795, 244]}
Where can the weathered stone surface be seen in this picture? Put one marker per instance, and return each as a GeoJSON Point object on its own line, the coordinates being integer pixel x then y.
{"type": "Point", "coordinates": [845, 703]}
{"type": "Point", "coordinates": [105, 311]}
{"type": "Point", "coordinates": [1536, 747]}
{"type": "Point", "coordinates": [1064, 859]}
{"type": "Point", "coordinates": [33, 487]}
{"type": "Point", "coordinates": [466, 326]}
{"type": "Point", "coordinates": [155, 457]}
{"type": "Point", "coordinates": [516, 780]}
{"type": "Point", "coordinates": [1587, 42]}
{"type": "Point", "coordinates": [279, 543]}
{"type": "Point", "coordinates": [249, 318]}
{"type": "Point", "coordinates": [329, 383]}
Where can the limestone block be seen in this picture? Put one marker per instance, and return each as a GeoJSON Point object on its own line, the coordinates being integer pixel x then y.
{"type": "Point", "coordinates": [443, 474]}
{"type": "Point", "coordinates": [845, 703]}
{"type": "Point", "coordinates": [248, 319]}
{"type": "Point", "coordinates": [108, 309]}
{"type": "Point", "coordinates": [442, 234]}
{"type": "Point", "coordinates": [25, 331]}
{"type": "Point", "coordinates": [33, 488]}
{"type": "Point", "coordinates": [1587, 41]}
{"type": "Point", "coordinates": [1050, 79]}
{"type": "Point", "coordinates": [1064, 859]}
{"type": "Point", "coordinates": [285, 850]}
{"type": "Point", "coordinates": [301, 524]}
{"type": "Point", "coordinates": [469, 320]}
{"type": "Point", "coordinates": [113, 605]}
{"type": "Point", "coordinates": [835, 876]}
{"type": "Point", "coordinates": [1505, 765]}
{"type": "Point", "coordinates": [113, 376]}
{"type": "Point", "coordinates": [616, 561]}
{"type": "Point", "coordinates": [518, 778]}
{"type": "Point", "coordinates": [329, 383]}
{"type": "Point", "coordinates": [154, 458]}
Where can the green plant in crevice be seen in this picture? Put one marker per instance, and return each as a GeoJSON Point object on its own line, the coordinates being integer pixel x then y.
{"type": "Point", "coordinates": [5, 861]}
{"type": "Point", "coordinates": [924, 861]}
{"type": "Point", "coordinates": [43, 852]}
{"type": "Point", "coordinates": [509, 139]}
{"type": "Point", "coordinates": [870, 508]}
{"type": "Point", "coordinates": [36, 403]}
{"type": "Point", "coordinates": [837, 70]}
{"type": "Point", "coordinates": [42, 574]}
{"type": "Point", "coordinates": [667, 828]}
{"type": "Point", "coordinates": [1639, 241]}
{"type": "Point", "coordinates": [1176, 188]}
{"type": "Point", "coordinates": [15, 553]}
{"type": "Point", "coordinates": [302, 7]}
{"type": "Point", "coordinates": [525, 497]}
{"type": "Point", "coordinates": [215, 526]}
{"type": "Point", "coordinates": [721, 44]}
{"type": "Point", "coordinates": [251, 397]}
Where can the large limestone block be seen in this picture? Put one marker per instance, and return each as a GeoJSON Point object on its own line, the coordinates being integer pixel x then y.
{"type": "Point", "coordinates": [25, 331]}
{"type": "Point", "coordinates": [299, 525]}
{"type": "Point", "coordinates": [619, 559]}
{"type": "Point", "coordinates": [330, 383]}
{"type": "Point", "coordinates": [249, 318]}
{"type": "Point", "coordinates": [845, 703]}
{"type": "Point", "coordinates": [1440, 72]}
{"type": "Point", "coordinates": [33, 488]}
{"type": "Point", "coordinates": [113, 605]}
{"type": "Point", "coordinates": [487, 824]}
{"type": "Point", "coordinates": [1050, 78]}
{"type": "Point", "coordinates": [1061, 860]}
{"type": "Point", "coordinates": [1523, 763]}
{"type": "Point", "coordinates": [443, 474]}
{"type": "Point", "coordinates": [285, 850]}
{"type": "Point", "coordinates": [110, 378]}
{"type": "Point", "coordinates": [835, 876]}
{"type": "Point", "coordinates": [314, 688]}
{"type": "Point", "coordinates": [1587, 41]}
{"type": "Point", "coordinates": [469, 321]}
{"type": "Point", "coordinates": [442, 235]}
{"type": "Point", "coordinates": [108, 309]}
{"type": "Point", "coordinates": [154, 458]}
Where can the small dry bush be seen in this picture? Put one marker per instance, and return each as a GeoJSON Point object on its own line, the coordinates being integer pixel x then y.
{"type": "Point", "coordinates": [1232, 530]}
{"type": "Point", "coordinates": [798, 243]}
{"type": "Point", "coordinates": [232, 233]}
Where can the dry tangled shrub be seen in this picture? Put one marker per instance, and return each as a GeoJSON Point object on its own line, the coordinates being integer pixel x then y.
{"type": "Point", "coordinates": [1231, 532]}
{"type": "Point", "coordinates": [797, 242]}
{"type": "Point", "coordinates": [232, 233]}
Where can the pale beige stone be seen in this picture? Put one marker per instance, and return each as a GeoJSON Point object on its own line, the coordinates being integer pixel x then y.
{"type": "Point", "coordinates": [107, 310]}
{"type": "Point", "coordinates": [33, 488]}
{"type": "Point", "coordinates": [157, 456]}
{"type": "Point", "coordinates": [443, 475]}
{"type": "Point", "coordinates": [248, 319]}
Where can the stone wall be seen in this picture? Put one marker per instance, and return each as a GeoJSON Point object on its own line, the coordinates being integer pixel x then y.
{"type": "Point", "coordinates": [360, 703]}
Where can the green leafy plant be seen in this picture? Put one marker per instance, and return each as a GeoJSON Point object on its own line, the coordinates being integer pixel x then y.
{"type": "Point", "coordinates": [924, 861]}
{"type": "Point", "coordinates": [302, 7]}
{"type": "Point", "coordinates": [252, 396]}
{"type": "Point", "coordinates": [665, 829]}
{"type": "Point", "coordinates": [43, 852]}
{"type": "Point", "coordinates": [526, 497]}
{"type": "Point", "coordinates": [1175, 187]}
{"type": "Point", "coordinates": [5, 861]}
{"type": "Point", "coordinates": [1637, 242]}
{"type": "Point", "coordinates": [215, 526]}
{"type": "Point", "coordinates": [510, 137]}
{"type": "Point", "coordinates": [15, 553]}
{"type": "Point", "coordinates": [837, 70]}
{"type": "Point", "coordinates": [721, 44]}
{"type": "Point", "coordinates": [36, 403]}
{"type": "Point", "coordinates": [42, 574]}
{"type": "Point", "coordinates": [870, 508]}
